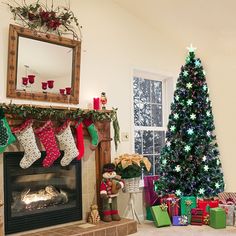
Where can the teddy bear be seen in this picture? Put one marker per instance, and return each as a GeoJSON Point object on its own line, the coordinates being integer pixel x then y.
{"type": "Point", "coordinates": [109, 188]}
{"type": "Point", "coordinates": [94, 216]}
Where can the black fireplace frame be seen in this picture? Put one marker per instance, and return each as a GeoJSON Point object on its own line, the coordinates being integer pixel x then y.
{"type": "Point", "coordinates": [38, 220]}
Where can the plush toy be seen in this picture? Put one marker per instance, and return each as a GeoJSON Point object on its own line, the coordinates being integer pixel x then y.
{"type": "Point", "coordinates": [109, 188]}
{"type": "Point", "coordinates": [94, 216]}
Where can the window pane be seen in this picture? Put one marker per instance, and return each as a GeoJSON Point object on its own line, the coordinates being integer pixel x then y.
{"type": "Point", "coordinates": [156, 91]}
{"type": "Point", "coordinates": [145, 114]}
{"type": "Point", "coordinates": [136, 114]}
{"type": "Point", "coordinates": [144, 90]}
{"type": "Point", "coordinates": [136, 89]}
{"type": "Point", "coordinates": [157, 115]}
{"type": "Point", "coordinates": [148, 142]}
{"type": "Point", "coordinates": [138, 141]}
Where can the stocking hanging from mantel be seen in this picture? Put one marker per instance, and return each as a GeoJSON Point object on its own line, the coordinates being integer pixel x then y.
{"type": "Point", "coordinates": [92, 132]}
{"type": "Point", "coordinates": [25, 136]}
{"type": "Point", "coordinates": [6, 136]}
{"type": "Point", "coordinates": [46, 135]}
{"type": "Point", "coordinates": [67, 143]}
{"type": "Point", "coordinates": [79, 139]}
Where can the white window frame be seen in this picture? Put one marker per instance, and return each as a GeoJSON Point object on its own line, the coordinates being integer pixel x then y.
{"type": "Point", "coordinates": [167, 96]}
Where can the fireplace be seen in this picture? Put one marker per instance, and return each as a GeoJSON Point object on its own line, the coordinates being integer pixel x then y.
{"type": "Point", "coordinates": [38, 197]}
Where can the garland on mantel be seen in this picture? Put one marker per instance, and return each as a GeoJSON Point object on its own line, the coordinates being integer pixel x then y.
{"type": "Point", "coordinates": [39, 113]}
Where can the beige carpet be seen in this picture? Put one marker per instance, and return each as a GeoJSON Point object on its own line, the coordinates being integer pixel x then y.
{"type": "Point", "coordinates": [148, 229]}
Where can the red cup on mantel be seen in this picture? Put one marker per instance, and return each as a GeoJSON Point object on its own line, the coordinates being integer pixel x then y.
{"type": "Point", "coordinates": [50, 84]}
{"type": "Point", "coordinates": [96, 103]}
{"type": "Point", "coordinates": [44, 85]}
{"type": "Point", "coordinates": [25, 80]}
{"type": "Point", "coordinates": [31, 78]}
{"type": "Point", "coordinates": [68, 91]}
{"type": "Point", "coordinates": [62, 91]}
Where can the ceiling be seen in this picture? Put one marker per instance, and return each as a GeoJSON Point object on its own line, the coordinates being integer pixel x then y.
{"type": "Point", "coordinates": [211, 21]}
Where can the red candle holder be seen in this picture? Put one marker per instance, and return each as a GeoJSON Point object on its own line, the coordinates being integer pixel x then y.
{"type": "Point", "coordinates": [50, 84]}
{"type": "Point", "coordinates": [62, 91]}
{"type": "Point", "coordinates": [25, 80]}
{"type": "Point", "coordinates": [68, 91]}
{"type": "Point", "coordinates": [44, 85]}
{"type": "Point", "coordinates": [96, 103]}
{"type": "Point", "coordinates": [31, 78]}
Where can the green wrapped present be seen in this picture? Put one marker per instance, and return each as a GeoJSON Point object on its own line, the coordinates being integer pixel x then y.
{"type": "Point", "coordinates": [160, 215]}
{"type": "Point", "coordinates": [217, 218]}
{"type": "Point", "coordinates": [186, 204]}
{"type": "Point", "coordinates": [149, 214]}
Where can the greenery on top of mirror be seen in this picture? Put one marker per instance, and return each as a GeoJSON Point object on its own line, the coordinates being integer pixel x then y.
{"type": "Point", "coordinates": [37, 16]}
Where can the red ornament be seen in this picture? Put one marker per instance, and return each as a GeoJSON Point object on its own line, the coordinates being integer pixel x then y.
{"type": "Point", "coordinates": [44, 85]}
{"type": "Point", "coordinates": [50, 84]}
{"type": "Point", "coordinates": [68, 90]}
{"type": "Point", "coordinates": [62, 91]}
{"type": "Point", "coordinates": [31, 78]}
{"type": "Point", "coordinates": [25, 80]}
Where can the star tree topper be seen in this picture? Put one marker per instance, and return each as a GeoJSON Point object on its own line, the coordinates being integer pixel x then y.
{"type": "Point", "coordinates": [191, 48]}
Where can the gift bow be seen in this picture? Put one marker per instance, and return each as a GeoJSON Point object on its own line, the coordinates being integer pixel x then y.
{"type": "Point", "coordinates": [163, 207]}
{"type": "Point", "coordinates": [128, 160]}
{"type": "Point", "coordinates": [183, 220]}
{"type": "Point", "coordinates": [188, 203]}
{"type": "Point", "coordinates": [206, 219]}
{"type": "Point", "coordinates": [226, 209]}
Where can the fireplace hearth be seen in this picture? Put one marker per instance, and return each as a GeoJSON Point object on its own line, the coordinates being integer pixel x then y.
{"type": "Point", "coordinates": [38, 197]}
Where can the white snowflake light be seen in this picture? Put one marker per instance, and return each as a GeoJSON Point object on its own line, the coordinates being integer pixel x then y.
{"type": "Point", "coordinates": [172, 128]}
{"type": "Point", "coordinates": [197, 63]}
{"type": "Point", "coordinates": [178, 192]}
{"type": "Point", "coordinates": [208, 113]}
{"type": "Point", "coordinates": [185, 73]}
{"type": "Point", "coordinates": [187, 148]}
{"type": "Point", "coordinates": [204, 87]}
{"type": "Point", "coordinates": [206, 168]}
{"type": "Point", "coordinates": [192, 116]}
{"type": "Point", "coordinates": [191, 48]}
{"type": "Point", "coordinates": [204, 72]}
{"type": "Point", "coordinates": [189, 102]}
{"type": "Point", "coordinates": [201, 190]}
{"type": "Point", "coordinates": [168, 143]}
{"type": "Point", "coordinates": [178, 168]}
{"type": "Point", "coordinates": [204, 158]}
{"type": "Point", "coordinates": [217, 185]}
{"type": "Point", "coordinates": [189, 85]}
{"type": "Point", "coordinates": [217, 162]}
{"type": "Point", "coordinates": [190, 131]}
{"type": "Point", "coordinates": [208, 133]}
{"type": "Point", "coordinates": [177, 97]}
{"type": "Point", "coordinates": [164, 161]}
{"type": "Point", "coordinates": [176, 116]}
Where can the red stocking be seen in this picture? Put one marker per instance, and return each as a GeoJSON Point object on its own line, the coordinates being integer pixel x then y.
{"type": "Point", "coordinates": [46, 136]}
{"type": "Point", "coordinates": [79, 140]}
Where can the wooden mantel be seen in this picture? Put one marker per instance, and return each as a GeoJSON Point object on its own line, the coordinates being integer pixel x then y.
{"type": "Point", "coordinates": [103, 150]}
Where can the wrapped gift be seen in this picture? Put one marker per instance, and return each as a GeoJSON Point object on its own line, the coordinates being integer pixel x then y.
{"type": "Point", "coordinates": [160, 215]}
{"type": "Point", "coordinates": [187, 203]}
{"type": "Point", "coordinates": [196, 216]}
{"type": "Point", "coordinates": [180, 220]}
{"type": "Point", "coordinates": [148, 214]}
{"type": "Point", "coordinates": [226, 197]}
{"type": "Point", "coordinates": [229, 210]}
{"type": "Point", "coordinates": [151, 196]}
{"type": "Point", "coordinates": [235, 218]}
{"type": "Point", "coordinates": [205, 204]}
{"type": "Point", "coordinates": [172, 203]}
{"type": "Point", "coordinates": [217, 218]}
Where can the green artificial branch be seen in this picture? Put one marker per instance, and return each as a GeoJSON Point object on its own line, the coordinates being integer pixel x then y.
{"type": "Point", "coordinates": [39, 113]}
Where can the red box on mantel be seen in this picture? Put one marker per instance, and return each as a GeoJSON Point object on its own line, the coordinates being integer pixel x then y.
{"type": "Point", "coordinates": [206, 204]}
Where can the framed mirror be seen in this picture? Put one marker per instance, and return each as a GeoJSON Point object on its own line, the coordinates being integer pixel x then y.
{"type": "Point", "coordinates": [43, 67]}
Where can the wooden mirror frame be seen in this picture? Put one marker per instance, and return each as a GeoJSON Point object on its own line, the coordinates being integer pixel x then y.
{"type": "Point", "coordinates": [12, 92]}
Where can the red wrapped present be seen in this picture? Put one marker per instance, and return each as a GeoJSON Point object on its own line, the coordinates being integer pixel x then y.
{"type": "Point", "coordinates": [196, 220]}
{"type": "Point", "coordinates": [173, 205]}
{"type": "Point", "coordinates": [151, 196]}
{"type": "Point", "coordinates": [227, 197]}
{"type": "Point", "coordinates": [197, 212]}
{"type": "Point", "coordinates": [205, 205]}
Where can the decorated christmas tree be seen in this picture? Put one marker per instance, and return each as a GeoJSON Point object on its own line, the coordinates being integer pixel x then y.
{"type": "Point", "coordinates": [189, 163]}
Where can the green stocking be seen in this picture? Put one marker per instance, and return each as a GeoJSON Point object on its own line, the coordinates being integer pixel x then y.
{"type": "Point", "coordinates": [92, 132]}
{"type": "Point", "coordinates": [6, 136]}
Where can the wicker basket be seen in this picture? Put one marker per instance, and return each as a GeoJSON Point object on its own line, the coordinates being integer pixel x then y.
{"type": "Point", "coordinates": [131, 185]}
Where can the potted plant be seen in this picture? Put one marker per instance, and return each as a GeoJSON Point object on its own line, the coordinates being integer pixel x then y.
{"type": "Point", "coordinates": [130, 167]}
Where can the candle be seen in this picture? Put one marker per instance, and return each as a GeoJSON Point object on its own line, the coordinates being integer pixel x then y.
{"type": "Point", "coordinates": [68, 90]}
{"type": "Point", "coordinates": [44, 85]}
{"type": "Point", "coordinates": [50, 84]}
{"type": "Point", "coordinates": [25, 80]}
{"type": "Point", "coordinates": [96, 103]}
{"type": "Point", "coordinates": [31, 78]}
{"type": "Point", "coordinates": [62, 91]}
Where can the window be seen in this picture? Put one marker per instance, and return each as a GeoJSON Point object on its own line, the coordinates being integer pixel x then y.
{"type": "Point", "coordinates": [149, 106]}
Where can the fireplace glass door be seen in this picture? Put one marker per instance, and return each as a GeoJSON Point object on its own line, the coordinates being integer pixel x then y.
{"type": "Point", "coordinates": [40, 196]}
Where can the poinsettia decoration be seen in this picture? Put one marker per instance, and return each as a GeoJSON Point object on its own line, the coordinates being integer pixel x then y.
{"type": "Point", "coordinates": [37, 16]}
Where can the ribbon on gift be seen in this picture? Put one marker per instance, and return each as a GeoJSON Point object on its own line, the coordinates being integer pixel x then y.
{"type": "Point", "coordinates": [183, 220]}
{"type": "Point", "coordinates": [188, 203]}
{"type": "Point", "coordinates": [206, 219]}
{"type": "Point", "coordinates": [163, 207]}
{"type": "Point", "coordinates": [226, 209]}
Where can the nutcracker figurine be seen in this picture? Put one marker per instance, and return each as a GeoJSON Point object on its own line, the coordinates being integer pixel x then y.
{"type": "Point", "coordinates": [103, 100]}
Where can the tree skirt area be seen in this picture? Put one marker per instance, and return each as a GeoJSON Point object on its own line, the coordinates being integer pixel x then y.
{"type": "Point", "coordinates": [148, 228]}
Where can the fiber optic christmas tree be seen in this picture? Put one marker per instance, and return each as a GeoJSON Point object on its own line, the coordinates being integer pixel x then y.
{"type": "Point", "coordinates": [189, 163]}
